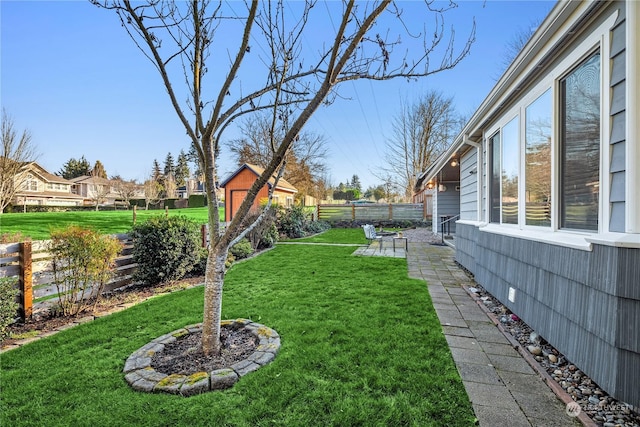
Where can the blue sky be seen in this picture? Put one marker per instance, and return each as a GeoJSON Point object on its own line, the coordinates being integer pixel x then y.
{"type": "Point", "coordinates": [70, 74]}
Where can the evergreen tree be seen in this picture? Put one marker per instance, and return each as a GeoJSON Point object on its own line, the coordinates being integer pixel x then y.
{"type": "Point", "coordinates": [182, 171]}
{"type": "Point", "coordinates": [74, 168]}
{"type": "Point", "coordinates": [355, 183]}
{"type": "Point", "coordinates": [169, 166]}
{"type": "Point", "coordinates": [156, 173]}
{"type": "Point", "coordinates": [98, 170]}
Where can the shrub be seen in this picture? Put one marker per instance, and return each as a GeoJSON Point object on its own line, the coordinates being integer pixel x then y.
{"type": "Point", "coordinates": [290, 221]}
{"type": "Point", "coordinates": [165, 248]}
{"type": "Point", "coordinates": [8, 304]}
{"type": "Point", "coordinates": [83, 262]}
{"type": "Point", "coordinates": [197, 201]}
{"type": "Point", "coordinates": [242, 249]}
{"type": "Point", "coordinates": [14, 237]}
{"type": "Point", "coordinates": [314, 227]}
{"type": "Point", "coordinates": [269, 237]}
{"type": "Point", "coordinates": [265, 234]}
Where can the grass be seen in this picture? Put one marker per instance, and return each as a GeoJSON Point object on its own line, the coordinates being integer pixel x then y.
{"type": "Point", "coordinates": [38, 225]}
{"type": "Point", "coordinates": [361, 346]}
{"type": "Point", "coordinates": [336, 235]}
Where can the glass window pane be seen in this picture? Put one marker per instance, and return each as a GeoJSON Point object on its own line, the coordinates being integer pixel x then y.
{"type": "Point", "coordinates": [580, 138]}
{"type": "Point", "coordinates": [538, 161]}
{"type": "Point", "coordinates": [510, 172]}
{"type": "Point", "coordinates": [494, 178]}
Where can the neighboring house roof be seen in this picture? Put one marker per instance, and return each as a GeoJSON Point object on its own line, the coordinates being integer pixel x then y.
{"type": "Point", "coordinates": [283, 184]}
{"type": "Point", "coordinates": [84, 179]}
{"type": "Point", "coordinates": [33, 167]}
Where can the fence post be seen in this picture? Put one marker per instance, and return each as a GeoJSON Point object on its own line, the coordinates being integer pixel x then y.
{"type": "Point", "coordinates": [203, 234]}
{"type": "Point", "coordinates": [26, 280]}
{"type": "Point", "coordinates": [135, 213]}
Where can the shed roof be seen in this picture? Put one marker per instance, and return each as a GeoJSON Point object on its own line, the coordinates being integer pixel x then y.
{"type": "Point", "coordinates": [283, 184]}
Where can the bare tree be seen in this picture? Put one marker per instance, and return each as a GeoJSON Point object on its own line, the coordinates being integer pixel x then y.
{"type": "Point", "coordinates": [306, 159]}
{"type": "Point", "coordinates": [421, 132]}
{"type": "Point", "coordinates": [17, 152]}
{"type": "Point", "coordinates": [126, 190]}
{"type": "Point", "coordinates": [170, 187]}
{"type": "Point", "coordinates": [152, 190]}
{"type": "Point", "coordinates": [98, 189]}
{"type": "Point", "coordinates": [264, 58]}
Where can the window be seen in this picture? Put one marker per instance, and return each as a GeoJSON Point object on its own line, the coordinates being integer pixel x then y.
{"type": "Point", "coordinates": [580, 146]}
{"type": "Point", "coordinates": [538, 161]}
{"type": "Point", "coordinates": [510, 168]}
{"type": "Point", "coordinates": [494, 178]}
{"type": "Point", "coordinates": [30, 183]}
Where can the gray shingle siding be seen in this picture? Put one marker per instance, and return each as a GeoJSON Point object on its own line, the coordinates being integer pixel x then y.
{"type": "Point", "coordinates": [468, 185]}
{"type": "Point", "coordinates": [590, 313]}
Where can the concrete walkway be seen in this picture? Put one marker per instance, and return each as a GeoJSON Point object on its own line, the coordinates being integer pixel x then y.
{"type": "Point", "coordinates": [503, 388]}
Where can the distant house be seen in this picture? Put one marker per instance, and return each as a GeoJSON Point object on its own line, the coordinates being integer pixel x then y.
{"type": "Point", "coordinates": [94, 190]}
{"type": "Point", "coordinates": [39, 187]}
{"type": "Point", "coordinates": [237, 185]}
{"type": "Point", "coordinates": [549, 189]}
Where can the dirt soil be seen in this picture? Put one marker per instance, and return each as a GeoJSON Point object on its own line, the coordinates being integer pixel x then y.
{"type": "Point", "coordinates": [185, 356]}
{"type": "Point", "coordinates": [45, 320]}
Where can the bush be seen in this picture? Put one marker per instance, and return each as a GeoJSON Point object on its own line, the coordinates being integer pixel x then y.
{"type": "Point", "coordinates": [290, 222]}
{"type": "Point", "coordinates": [14, 237]}
{"type": "Point", "coordinates": [265, 234]}
{"type": "Point", "coordinates": [269, 237]}
{"type": "Point", "coordinates": [165, 248]}
{"type": "Point", "coordinates": [197, 201]}
{"type": "Point", "coordinates": [242, 249]}
{"type": "Point", "coordinates": [83, 262]}
{"type": "Point", "coordinates": [314, 227]}
{"type": "Point", "coordinates": [8, 304]}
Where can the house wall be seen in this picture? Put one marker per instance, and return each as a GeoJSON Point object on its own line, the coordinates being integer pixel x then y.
{"type": "Point", "coordinates": [579, 290]}
{"type": "Point", "coordinates": [239, 185]}
{"type": "Point", "coordinates": [236, 190]}
{"type": "Point", "coordinates": [589, 313]}
{"type": "Point", "coordinates": [469, 185]}
{"type": "Point", "coordinates": [447, 203]}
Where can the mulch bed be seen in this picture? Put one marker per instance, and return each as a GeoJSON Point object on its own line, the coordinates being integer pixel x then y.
{"type": "Point", "coordinates": [46, 321]}
{"type": "Point", "coordinates": [185, 356]}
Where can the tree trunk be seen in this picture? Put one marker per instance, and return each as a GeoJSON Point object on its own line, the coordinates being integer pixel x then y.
{"type": "Point", "coordinates": [213, 284]}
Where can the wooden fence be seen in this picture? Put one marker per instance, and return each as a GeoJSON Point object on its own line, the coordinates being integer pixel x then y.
{"type": "Point", "coordinates": [30, 262]}
{"type": "Point", "coordinates": [374, 212]}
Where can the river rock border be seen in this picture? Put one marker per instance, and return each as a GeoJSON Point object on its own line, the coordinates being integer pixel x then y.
{"type": "Point", "coordinates": [142, 377]}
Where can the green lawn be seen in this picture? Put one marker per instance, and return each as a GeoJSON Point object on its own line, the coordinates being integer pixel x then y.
{"type": "Point", "coordinates": [336, 235]}
{"type": "Point", "coordinates": [361, 346]}
{"type": "Point", "coordinates": [38, 225]}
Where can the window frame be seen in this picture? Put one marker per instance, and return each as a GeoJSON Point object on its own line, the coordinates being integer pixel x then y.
{"type": "Point", "coordinates": [598, 39]}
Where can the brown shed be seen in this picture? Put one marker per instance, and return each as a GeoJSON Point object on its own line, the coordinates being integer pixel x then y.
{"type": "Point", "coordinates": [238, 184]}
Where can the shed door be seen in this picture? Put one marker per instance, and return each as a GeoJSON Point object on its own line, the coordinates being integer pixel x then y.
{"type": "Point", "coordinates": [237, 197]}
